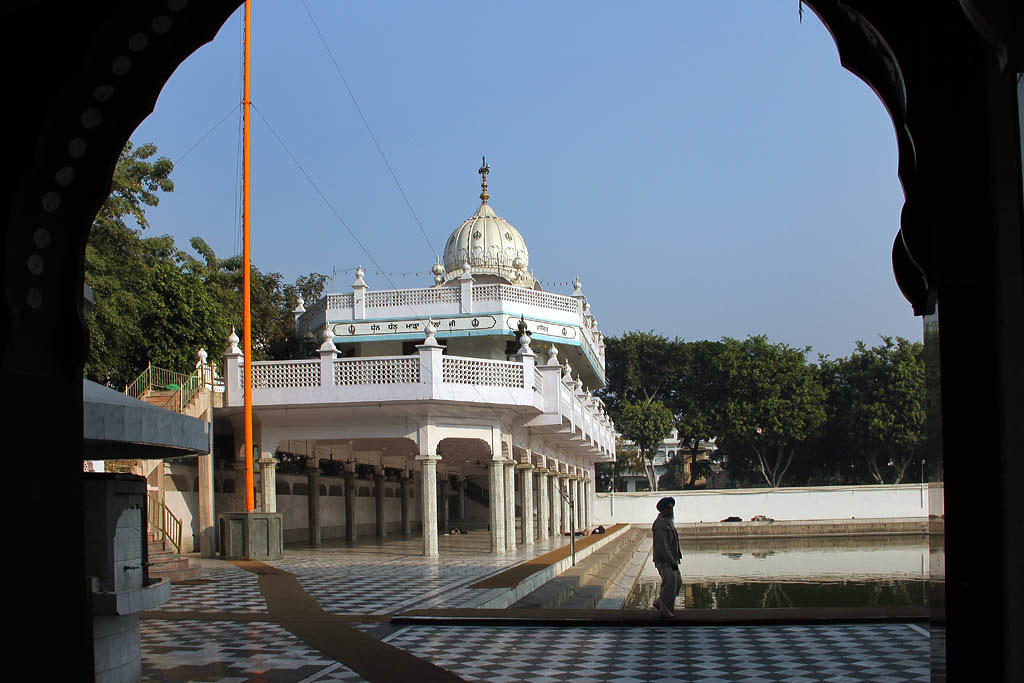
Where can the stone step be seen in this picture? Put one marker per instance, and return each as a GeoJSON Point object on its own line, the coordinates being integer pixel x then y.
{"type": "Point", "coordinates": [583, 586]}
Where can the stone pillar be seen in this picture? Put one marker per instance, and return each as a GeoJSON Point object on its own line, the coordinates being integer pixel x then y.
{"type": "Point", "coordinates": [496, 505]}
{"type": "Point", "coordinates": [556, 504]}
{"type": "Point", "coordinates": [428, 500]}
{"type": "Point", "coordinates": [581, 521]}
{"type": "Point", "coordinates": [510, 505]}
{"type": "Point", "coordinates": [268, 483]}
{"type": "Point", "coordinates": [403, 492]}
{"type": "Point", "coordinates": [350, 502]}
{"type": "Point", "coordinates": [563, 480]}
{"type": "Point", "coordinates": [313, 499]}
{"type": "Point", "coordinates": [543, 504]}
{"type": "Point", "coordinates": [588, 486]}
{"type": "Point", "coordinates": [444, 506]}
{"type": "Point", "coordinates": [378, 481]}
{"type": "Point", "coordinates": [577, 502]}
{"type": "Point", "coordinates": [207, 512]}
{"type": "Point", "coordinates": [462, 498]}
{"type": "Point", "coordinates": [527, 488]}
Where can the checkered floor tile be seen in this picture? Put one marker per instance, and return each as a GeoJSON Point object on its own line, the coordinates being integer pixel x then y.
{"type": "Point", "coordinates": [225, 588]}
{"type": "Point", "coordinates": [228, 652]}
{"type": "Point", "coordinates": [722, 654]}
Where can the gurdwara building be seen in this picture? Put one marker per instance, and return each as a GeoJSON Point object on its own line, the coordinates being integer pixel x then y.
{"type": "Point", "coordinates": [481, 382]}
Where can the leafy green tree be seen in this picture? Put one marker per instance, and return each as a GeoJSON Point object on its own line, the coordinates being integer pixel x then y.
{"type": "Point", "coordinates": [156, 303]}
{"type": "Point", "coordinates": [695, 397]}
{"type": "Point", "coordinates": [772, 401]}
{"type": "Point", "coordinates": [639, 366]}
{"type": "Point", "coordinates": [881, 407]}
{"type": "Point", "coordinates": [646, 424]}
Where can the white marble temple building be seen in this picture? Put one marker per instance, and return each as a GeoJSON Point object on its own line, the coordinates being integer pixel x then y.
{"type": "Point", "coordinates": [482, 380]}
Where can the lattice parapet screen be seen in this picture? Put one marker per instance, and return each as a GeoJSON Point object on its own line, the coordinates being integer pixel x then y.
{"type": "Point", "coordinates": [286, 374]}
{"type": "Point", "coordinates": [398, 370]}
{"type": "Point", "coordinates": [339, 301]}
{"type": "Point", "coordinates": [494, 373]}
{"type": "Point", "coordinates": [413, 297]}
{"type": "Point", "coordinates": [529, 297]}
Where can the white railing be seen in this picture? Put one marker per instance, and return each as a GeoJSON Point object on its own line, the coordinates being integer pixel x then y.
{"type": "Point", "coordinates": [281, 374]}
{"type": "Point", "coordinates": [529, 297]}
{"type": "Point", "coordinates": [395, 298]}
{"type": "Point", "coordinates": [427, 374]}
{"type": "Point", "coordinates": [383, 370]}
{"type": "Point", "coordinates": [495, 373]}
{"type": "Point", "coordinates": [335, 301]}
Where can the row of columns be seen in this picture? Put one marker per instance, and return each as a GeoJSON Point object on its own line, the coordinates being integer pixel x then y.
{"type": "Point", "coordinates": [555, 489]}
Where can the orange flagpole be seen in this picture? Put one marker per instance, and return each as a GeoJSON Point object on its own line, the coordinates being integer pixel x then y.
{"type": "Point", "coordinates": [250, 502]}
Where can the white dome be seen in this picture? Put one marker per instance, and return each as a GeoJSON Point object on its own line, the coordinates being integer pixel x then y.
{"type": "Point", "coordinates": [491, 245]}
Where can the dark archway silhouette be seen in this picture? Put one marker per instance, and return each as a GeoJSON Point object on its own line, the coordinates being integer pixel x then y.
{"type": "Point", "coordinates": [80, 77]}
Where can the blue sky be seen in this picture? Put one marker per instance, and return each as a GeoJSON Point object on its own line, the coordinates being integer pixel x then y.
{"type": "Point", "coordinates": [707, 169]}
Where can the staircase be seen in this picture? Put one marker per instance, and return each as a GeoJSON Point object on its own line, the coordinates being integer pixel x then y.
{"type": "Point", "coordinates": [602, 580]}
{"type": "Point", "coordinates": [167, 564]}
{"type": "Point", "coordinates": [168, 389]}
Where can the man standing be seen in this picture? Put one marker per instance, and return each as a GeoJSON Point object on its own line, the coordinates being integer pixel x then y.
{"type": "Point", "coordinates": [666, 556]}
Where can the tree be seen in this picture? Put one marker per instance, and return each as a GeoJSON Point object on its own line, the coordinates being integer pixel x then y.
{"type": "Point", "coordinates": [646, 424]}
{"type": "Point", "coordinates": [639, 366]}
{"type": "Point", "coordinates": [880, 406]}
{"type": "Point", "coordinates": [156, 303]}
{"type": "Point", "coordinates": [772, 401]}
{"type": "Point", "coordinates": [696, 395]}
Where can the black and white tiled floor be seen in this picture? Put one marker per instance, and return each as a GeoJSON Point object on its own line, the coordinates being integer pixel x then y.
{"type": "Point", "coordinates": [223, 589]}
{"type": "Point", "coordinates": [706, 654]}
{"type": "Point", "coordinates": [228, 652]}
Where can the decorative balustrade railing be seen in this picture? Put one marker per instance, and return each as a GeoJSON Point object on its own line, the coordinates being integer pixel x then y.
{"type": "Point", "coordinates": [428, 373]}
{"type": "Point", "coordinates": [495, 373]}
{"type": "Point", "coordinates": [282, 374]}
{"type": "Point", "coordinates": [396, 298]}
{"type": "Point", "coordinates": [339, 301]}
{"type": "Point", "coordinates": [529, 297]}
{"type": "Point", "coordinates": [382, 370]}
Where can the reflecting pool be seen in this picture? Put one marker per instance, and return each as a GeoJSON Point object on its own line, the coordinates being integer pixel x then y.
{"type": "Point", "coordinates": [854, 571]}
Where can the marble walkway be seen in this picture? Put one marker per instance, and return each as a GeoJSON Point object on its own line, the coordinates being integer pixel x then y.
{"type": "Point", "coordinates": [325, 615]}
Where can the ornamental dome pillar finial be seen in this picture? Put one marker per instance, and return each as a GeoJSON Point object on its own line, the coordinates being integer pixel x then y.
{"type": "Point", "coordinates": [484, 170]}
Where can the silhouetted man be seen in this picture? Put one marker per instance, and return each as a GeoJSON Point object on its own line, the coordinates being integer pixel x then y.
{"type": "Point", "coordinates": [666, 556]}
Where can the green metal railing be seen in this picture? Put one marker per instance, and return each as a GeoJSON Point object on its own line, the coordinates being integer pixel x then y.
{"type": "Point", "coordinates": [161, 379]}
{"type": "Point", "coordinates": [163, 523]}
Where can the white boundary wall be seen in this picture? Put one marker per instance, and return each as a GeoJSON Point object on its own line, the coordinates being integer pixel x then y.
{"type": "Point", "coordinates": [887, 501]}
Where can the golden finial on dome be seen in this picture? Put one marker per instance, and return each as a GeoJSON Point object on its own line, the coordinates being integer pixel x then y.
{"type": "Point", "coordinates": [484, 170]}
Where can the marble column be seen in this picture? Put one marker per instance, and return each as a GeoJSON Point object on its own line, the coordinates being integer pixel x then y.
{"type": "Point", "coordinates": [496, 505]}
{"type": "Point", "coordinates": [403, 492]}
{"type": "Point", "coordinates": [378, 484]}
{"type": "Point", "coordinates": [428, 496]}
{"type": "Point", "coordinates": [445, 521]}
{"type": "Point", "coordinates": [556, 504]}
{"type": "Point", "coordinates": [543, 504]}
{"type": "Point", "coordinates": [268, 483]}
{"type": "Point", "coordinates": [207, 512]}
{"type": "Point", "coordinates": [313, 500]}
{"type": "Point", "coordinates": [526, 470]}
{"type": "Point", "coordinates": [563, 479]}
{"type": "Point", "coordinates": [577, 503]}
{"type": "Point", "coordinates": [510, 505]}
{"type": "Point", "coordinates": [350, 502]}
{"type": "Point", "coordinates": [588, 487]}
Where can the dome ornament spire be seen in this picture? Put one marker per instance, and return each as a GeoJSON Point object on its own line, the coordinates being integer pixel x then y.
{"type": "Point", "coordinates": [484, 170]}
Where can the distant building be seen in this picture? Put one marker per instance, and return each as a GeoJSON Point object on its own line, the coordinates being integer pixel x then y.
{"type": "Point", "coordinates": [636, 480]}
